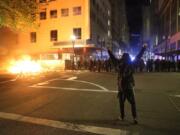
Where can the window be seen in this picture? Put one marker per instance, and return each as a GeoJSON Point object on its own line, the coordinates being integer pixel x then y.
{"type": "Point", "coordinates": [42, 15]}
{"type": "Point", "coordinates": [109, 23]}
{"type": "Point", "coordinates": [77, 33]}
{"type": "Point", "coordinates": [53, 13]}
{"type": "Point", "coordinates": [76, 10]}
{"type": "Point", "coordinates": [65, 12]}
{"type": "Point", "coordinates": [42, 1]}
{"type": "Point", "coordinates": [178, 45]}
{"type": "Point", "coordinates": [173, 46]}
{"type": "Point", "coordinates": [33, 37]}
{"type": "Point", "coordinates": [109, 33]}
{"type": "Point", "coordinates": [53, 35]}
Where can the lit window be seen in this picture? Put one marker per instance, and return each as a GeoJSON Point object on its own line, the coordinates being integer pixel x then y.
{"type": "Point", "coordinates": [53, 35]}
{"type": "Point", "coordinates": [109, 23]}
{"type": "Point", "coordinates": [65, 12]}
{"type": "Point", "coordinates": [33, 37]}
{"type": "Point", "coordinates": [77, 33]}
{"type": "Point", "coordinates": [77, 11]}
{"type": "Point", "coordinates": [42, 15]}
{"type": "Point", "coordinates": [109, 33]}
{"type": "Point", "coordinates": [53, 13]}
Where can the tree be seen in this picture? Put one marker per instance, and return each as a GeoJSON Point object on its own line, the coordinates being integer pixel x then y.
{"type": "Point", "coordinates": [17, 14]}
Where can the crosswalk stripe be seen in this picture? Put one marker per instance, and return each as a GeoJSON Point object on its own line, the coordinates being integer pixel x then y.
{"type": "Point", "coordinates": [63, 125]}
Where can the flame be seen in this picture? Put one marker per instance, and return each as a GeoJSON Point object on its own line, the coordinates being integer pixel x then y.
{"type": "Point", "coordinates": [24, 66]}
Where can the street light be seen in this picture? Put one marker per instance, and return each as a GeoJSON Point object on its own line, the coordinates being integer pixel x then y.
{"type": "Point", "coordinates": [101, 41]}
{"type": "Point", "coordinates": [73, 38]}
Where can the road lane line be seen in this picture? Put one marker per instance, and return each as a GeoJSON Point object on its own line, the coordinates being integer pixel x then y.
{"type": "Point", "coordinates": [44, 83]}
{"type": "Point", "coordinates": [73, 89]}
{"type": "Point", "coordinates": [12, 80]}
{"type": "Point", "coordinates": [174, 104]}
{"type": "Point", "coordinates": [63, 125]}
{"type": "Point", "coordinates": [97, 85]}
{"type": "Point", "coordinates": [176, 96]}
{"type": "Point", "coordinates": [72, 78]}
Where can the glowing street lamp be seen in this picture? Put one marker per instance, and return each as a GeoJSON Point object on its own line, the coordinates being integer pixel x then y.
{"type": "Point", "coordinates": [73, 39]}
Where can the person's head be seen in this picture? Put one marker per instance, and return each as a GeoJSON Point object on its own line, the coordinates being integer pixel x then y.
{"type": "Point", "coordinates": [126, 58]}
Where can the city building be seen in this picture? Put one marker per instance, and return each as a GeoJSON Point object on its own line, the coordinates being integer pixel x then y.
{"type": "Point", "coordinates": [124, 28]}
{"type": "Point", "coordinates": [88, 20]}
{"type": "Point", "coordinates": [148, 31]}
{"type": "Point", "coordinates": [119, 27]}
{"type": "Point", "coordinates": [168, 29]}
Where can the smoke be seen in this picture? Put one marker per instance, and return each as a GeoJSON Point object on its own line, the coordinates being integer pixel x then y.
{"type": "Point", "coordinates": [8, 46]}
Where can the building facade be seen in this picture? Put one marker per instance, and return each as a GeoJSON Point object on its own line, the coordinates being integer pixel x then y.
{"type": "Point", "coordinates": [58, 20]}
{"type": "Point", "coordinates": [124, 28]}
{"type": "Point", "coordinates": [168, 30]}
{"type": "Point", "coordinates": [119, 27]}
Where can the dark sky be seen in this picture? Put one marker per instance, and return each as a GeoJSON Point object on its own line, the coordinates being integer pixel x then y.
{"type": "Point", "coordinates": [134, 15]}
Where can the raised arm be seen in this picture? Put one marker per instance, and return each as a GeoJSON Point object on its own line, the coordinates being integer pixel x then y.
{"type": "Point", "coordinates": [113, 58]}
{"type": "Point", "coordinates": [138, 57]}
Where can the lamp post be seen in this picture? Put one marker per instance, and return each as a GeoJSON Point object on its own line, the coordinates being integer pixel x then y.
{"type": "Point", "coordinates": [73, 38]}
{"type": "Point", "coordinates": [102, 44]}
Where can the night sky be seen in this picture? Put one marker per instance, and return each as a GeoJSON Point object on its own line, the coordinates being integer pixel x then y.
{"type": "Point", "coordinates": [134, 15]}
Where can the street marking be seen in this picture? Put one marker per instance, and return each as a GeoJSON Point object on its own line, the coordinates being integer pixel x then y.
{"type": "Point", "coordinates": [44, 83]}
{"type": "Point", "coordinates": [72, 78]}
{"type": "Point", "coordinates": [174, 104]}
{"type": "Point", "coordinates": [47, 82]}
{"type": "Point", "coordinates": [12, 80]}
{"type": "Point", "coordinates": [63, 125]}
{"type": "Point", "coordinates": [73, 89]}
{"type": "Point", "coordinates": [177, 96]}
{"type": "Point", "coordinates": [97, 85]}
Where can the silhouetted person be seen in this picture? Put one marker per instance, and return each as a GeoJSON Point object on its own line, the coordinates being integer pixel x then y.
{"type": "Point", "coordinates": [99, 65]}
{"type": "Point", "coordinates": [125, 69]}
{"type": "Point", "coordinates": [141, 65]}
{"type": "Point", "coordinates": [178, 65]}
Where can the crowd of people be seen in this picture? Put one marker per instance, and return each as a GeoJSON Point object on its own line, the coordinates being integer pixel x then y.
{"type": "Point", "coordinates": [95, 65]}
{"type": "Point", "coordinates": [150, 65]}
{"type": "Point", "coordinates": [160, 66]}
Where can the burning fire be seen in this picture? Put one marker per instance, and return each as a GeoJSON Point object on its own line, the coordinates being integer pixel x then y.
{"type": "Point", "coordinates": [25, 66]}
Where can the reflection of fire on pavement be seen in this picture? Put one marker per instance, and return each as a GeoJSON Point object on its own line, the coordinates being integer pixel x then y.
{"type": "Point", "coordinates": [26, 66]}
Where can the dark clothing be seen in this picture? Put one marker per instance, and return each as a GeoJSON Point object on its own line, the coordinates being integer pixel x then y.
{"type": "Point", "coordinates": [126, 81]}
{"type": "Point", "coordinates": [129, 95]}
{"type": "Point", "coordinates": [125, 70]}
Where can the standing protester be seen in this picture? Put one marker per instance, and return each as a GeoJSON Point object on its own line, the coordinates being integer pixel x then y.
{"type": "Point", "coordinates": [125, 68]}
{"type": "Point", "coordinates": [178, 65]}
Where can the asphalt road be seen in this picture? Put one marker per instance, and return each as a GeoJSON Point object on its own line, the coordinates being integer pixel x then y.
{"type": "Point", "coordinates": [84, 103]}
